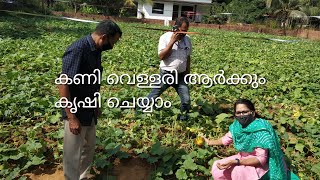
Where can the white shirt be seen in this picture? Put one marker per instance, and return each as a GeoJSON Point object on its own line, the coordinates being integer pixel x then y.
{"type": "Point", "coordinates": [179, 53]}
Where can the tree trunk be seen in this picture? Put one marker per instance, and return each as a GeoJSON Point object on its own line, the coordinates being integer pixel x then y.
{"type": "Point", "coordinates": [42, 6]}
{"type": "Point", "coordinates": [284, 29]}
{"type": "Point", "coordinates": [75, 8]}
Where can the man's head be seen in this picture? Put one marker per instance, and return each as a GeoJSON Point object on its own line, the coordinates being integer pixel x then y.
{"type": "Point", "coordinates": [183, 25]}
{"type": "Point", "coordinates": [108, 33]}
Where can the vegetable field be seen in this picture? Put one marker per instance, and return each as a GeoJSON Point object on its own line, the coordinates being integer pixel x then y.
{"type": "Point", "coordinates": [31, 131]}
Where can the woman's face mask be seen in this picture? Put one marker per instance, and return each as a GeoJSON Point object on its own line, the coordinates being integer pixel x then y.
{"type": "Point", "coordinates": [245, 120]}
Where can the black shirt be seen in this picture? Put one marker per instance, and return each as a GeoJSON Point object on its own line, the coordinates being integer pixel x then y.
{"type": "Point", "coordinates": [80, 58]}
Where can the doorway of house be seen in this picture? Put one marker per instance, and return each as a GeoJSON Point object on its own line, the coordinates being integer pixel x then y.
{"type": "Point", "coordinates": [175, 13]}
{"type": "Point", "coordinates": [187, 11]}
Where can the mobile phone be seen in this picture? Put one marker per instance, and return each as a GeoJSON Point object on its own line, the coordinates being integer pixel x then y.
{"type": "Point", "coordinates": [175, 28]}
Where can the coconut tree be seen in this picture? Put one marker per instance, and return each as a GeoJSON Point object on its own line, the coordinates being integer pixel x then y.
{"type": "Point", "coordinates": [288, 12]}
{"type": "Point", "coordinates": [131, 3]}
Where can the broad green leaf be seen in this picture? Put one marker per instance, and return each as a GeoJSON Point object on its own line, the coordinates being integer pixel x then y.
{"type": "Point", "coordinates": [299, 147]}
{"type": "Point", "coordinates": [181, 174]}
{"type": "Point", "coordinates": [189, 164]}
{"type": "Point", "coordinates": [152, 160]}
{"type": "Point", "coordinates": [167, 157]}
{"type": "Point", "coordinates": [156, 149]}
{"type": "Point", "coordinates": [54, 118]}
{"type": "Point", "coordinates": [222, 117]}
{"type": "Point", "coordinates": [102, 163]}
{"type": "Point", "coordinates": [123, 155]}
{"type": "Point", "coordinates": [316, 168]}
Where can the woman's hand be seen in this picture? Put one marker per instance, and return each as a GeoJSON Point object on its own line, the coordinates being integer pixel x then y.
{"type": "Point", "coordinates": [227, 164]}
{"type": "Point", "coordinates": [216, 142]}
{"type": "Point", "coordinates": [206, 140]}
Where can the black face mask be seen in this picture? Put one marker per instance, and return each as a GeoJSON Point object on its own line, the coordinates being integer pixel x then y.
{"type": "Point", "coordinates": [245, 120]}
{"type": "Point", "coordinates": [106, 46]}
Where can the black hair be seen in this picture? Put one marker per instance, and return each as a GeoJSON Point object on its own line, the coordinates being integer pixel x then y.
{"type": "Point", "coordinates": [249, 105]}
{"type": "Point", "coordinates": [181, 20]}
{"type": "Point", "coordinates": [109, 28]}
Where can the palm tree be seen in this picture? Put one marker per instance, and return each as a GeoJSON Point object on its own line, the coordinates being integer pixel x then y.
{"type": "Point", "coordinates": [288, 12]}
{"type": "Point", "coordinates": [131, 3]}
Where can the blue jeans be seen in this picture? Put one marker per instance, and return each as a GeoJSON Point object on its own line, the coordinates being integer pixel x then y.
{"type": "Point", "coordinates": [181, 88]}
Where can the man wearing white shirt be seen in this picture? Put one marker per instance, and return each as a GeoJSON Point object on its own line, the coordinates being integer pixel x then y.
{"type": "Point", "coordinates": [174, 51]}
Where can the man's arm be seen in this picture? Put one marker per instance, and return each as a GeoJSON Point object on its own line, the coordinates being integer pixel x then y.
{"type": "Point", "coordinates": [74, 123]}
{"type": "Point", "coordinates": [70, 66]}
{"type": "Point", "coordinates": [166, 52]}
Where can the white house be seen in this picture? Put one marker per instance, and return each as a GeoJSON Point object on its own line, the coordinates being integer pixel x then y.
{"type": "Point", "coordinates": [172, 9]}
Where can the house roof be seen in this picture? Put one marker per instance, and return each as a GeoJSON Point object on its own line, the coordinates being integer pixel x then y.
{"type": "Point", "coordinates": [188, 1]}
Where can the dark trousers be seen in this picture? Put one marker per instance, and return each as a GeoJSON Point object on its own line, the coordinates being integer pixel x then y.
{"type": "Point", "coordinates": [181, 88]}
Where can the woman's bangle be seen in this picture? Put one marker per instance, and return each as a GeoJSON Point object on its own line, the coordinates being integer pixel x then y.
{"type": "Point", "coordinates": [238, 161]}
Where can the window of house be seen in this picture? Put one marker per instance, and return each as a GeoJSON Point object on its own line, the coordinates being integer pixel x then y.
{"type": "Point", "coordinates": [157, 8]}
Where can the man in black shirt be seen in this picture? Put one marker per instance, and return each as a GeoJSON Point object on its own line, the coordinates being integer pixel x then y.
{"type": "Point", "coordinates": [81, 64]}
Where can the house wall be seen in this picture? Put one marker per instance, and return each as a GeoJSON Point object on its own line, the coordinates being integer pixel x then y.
{"type": "Point", "coordinates": [194, 1]}
{"type": "Point", "coordinates": [147, 9]}
{"type": "Point", "coordinates": [168, 10]}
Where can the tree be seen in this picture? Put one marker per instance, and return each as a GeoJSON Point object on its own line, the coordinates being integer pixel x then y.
{"type": "Point", "coordinates": [131, 3]}
{"type": "Point", "coordinates": [288, 12]}
{"type": "Point", "coordinates": [247, 11]}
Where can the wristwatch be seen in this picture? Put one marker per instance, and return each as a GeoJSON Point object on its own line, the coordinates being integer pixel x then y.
{"type": "Point", "coordinates": [238, 161]}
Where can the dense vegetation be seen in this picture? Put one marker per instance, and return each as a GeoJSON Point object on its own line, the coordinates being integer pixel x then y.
{"type": "Point", "coordinates": [31, 130]}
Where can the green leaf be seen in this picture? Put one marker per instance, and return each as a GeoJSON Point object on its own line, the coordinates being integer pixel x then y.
{"type": "Point", "coordinates": [144, 155]}
{"type": "Point", "coordinates": [112, 151]}
{"type": "Point", "coordinates": [54, 118]}
{"type": "Point", "coordinates": [167, 157]}
{"type": "Point", "coordinates": [208, 109]}
{"type": "Point", "coordinates": [194, 114]}
{"type": "Point", "coordinates": [37, 160]}
{"type": "Point", "coordinates": [181, 174]}
{"type": "Point", "coordinates": [297, 93]}
{"type": "Point", "coordinates": [102, 163]}
{"type": "Point", "coordinates": [33, 145]}
{"type": "Point", "coordinates": [205, 170]}
{"type": "Point", "coordinates": [189, 164]}
{"type": "Point", "coordinates": [123, 155]}
{"type": "Point", "coordinates": [152, 160]}
{"type": "Point", "coordinates": [175, 110]}
{"type": "Point", "coordinates": [316, 168]}
{"type": "Point", "coordinates": [299, 147]}
{"type": "Point", "coordinates": [158, 178]}
{"type": "Point", "coordinates": [23, 178]}
{"type": "Point", "coordinates": [138, 151]}
{"type": "Point", "coordinates": [14, 173]}
{"type": "Point", "coordinates": [201, 153]}
{"type": "Point", "coordinates": [222, 117]}
{"type": "Point", "coordinates": [16, 157]}
{"type": "Point", "coordinates": [156, 149]}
